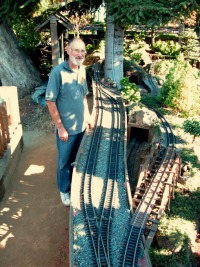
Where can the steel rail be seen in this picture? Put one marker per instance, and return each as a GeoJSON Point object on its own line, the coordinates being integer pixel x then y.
{"type": "Point", "coordinates": [104, 215]}
{"type": "Point", "coordinates": [99, 221]}
{"type": "Point", "coordinates": [147, 203]}
{"type": "Point", "coordinates": [108, 200]}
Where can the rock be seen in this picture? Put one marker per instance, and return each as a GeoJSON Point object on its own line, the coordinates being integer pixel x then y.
{"type": "Point", "coordinates": [143, 91]}
{"type": "Point", "coordinates": [141, 115]}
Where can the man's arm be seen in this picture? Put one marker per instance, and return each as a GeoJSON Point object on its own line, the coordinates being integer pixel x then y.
{"type": "Point", "coordinates": [62, 132]}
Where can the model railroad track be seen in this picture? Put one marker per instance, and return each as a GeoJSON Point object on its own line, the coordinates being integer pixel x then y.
{"type": "Point", "coordinates": [148, 193]}
{"type": "Point", "coordinates": [99, 220]}
{"type": "Point", "coordinates": [157, 161]}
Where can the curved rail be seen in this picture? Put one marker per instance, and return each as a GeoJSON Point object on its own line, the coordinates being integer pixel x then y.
{"type": "Point", "coordinates": [131, 250]}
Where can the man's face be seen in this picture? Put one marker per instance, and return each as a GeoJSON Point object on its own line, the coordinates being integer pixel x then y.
{"type": "Point", "coordinates": [77, 52]}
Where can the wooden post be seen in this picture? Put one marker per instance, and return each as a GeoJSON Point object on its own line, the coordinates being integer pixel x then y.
{"type": "Point", "coordinates": [1, 145]}
{"type": "Point", "coordinates": [62, 49]}
{"type": "Point", "coordinates": [4, 129]}
{"type": "Point", "coordinates": [54, 40]}
{"type": "Point", "coordinates": [5, 122]}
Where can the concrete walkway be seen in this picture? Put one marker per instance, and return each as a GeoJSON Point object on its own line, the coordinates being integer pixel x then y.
{"type": "Point", "coordinates": [34, 224]}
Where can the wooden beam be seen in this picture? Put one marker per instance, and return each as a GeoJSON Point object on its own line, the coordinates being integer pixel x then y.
{"type": "Point", "coordinates": [3, 132]}
{"type": "Point", "coordinates": [54, 40]}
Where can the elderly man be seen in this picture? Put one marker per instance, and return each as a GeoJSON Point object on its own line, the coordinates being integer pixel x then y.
{"type": "Point", "coordinates": [66, 100]}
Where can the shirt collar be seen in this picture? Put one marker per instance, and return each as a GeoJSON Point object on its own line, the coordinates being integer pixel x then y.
{"type": "Point", "coordinates": [66, 65]}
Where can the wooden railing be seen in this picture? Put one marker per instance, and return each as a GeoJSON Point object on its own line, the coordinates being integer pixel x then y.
{"type": "Point", "coordinates": [4, 128]}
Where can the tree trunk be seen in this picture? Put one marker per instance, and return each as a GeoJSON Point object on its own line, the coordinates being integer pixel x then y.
{"type": "Point", "coordinates": [109, 46]}
{"type": "Point", "coordinates": [118, 54]}
{"type": "Point", "coordinates": [194, 137]}
{"type": "Point", "coordinates": [16, 68]}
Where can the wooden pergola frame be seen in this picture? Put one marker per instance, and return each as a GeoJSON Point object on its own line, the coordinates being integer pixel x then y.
{"type": "Point", "coordinates": [58, 26]}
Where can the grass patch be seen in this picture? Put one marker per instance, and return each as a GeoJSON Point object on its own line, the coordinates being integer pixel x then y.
{"type": "Point", "coordinates": [186, 204]}
{"type": "Point", "coordinates": [189, 156]}
{"type": "Point", "coordinates": [161, 257]}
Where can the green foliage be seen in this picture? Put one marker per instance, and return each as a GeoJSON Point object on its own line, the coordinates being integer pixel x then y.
{"type": "Point", "coordinates": [189, 157]}
{"type": "Point", "coordinates": [188, 212]}
{"type": "Point", "coordinates": [136, 57]}
{"type": "Point", "coordinates": [138, 37]}
{"type": "Point", "coordinates": [10, 7]}
{"type": "Point", "coordinates": [170, 48]}
{"type": "Point", "coordinates": [167, 36]}
{"type": "Point", "coordinates": [180, 91]}
{"type": "Point", "coordinates": [189, 43]}
{"type": "Point", "coordinates": [23, 27]}
{"type": "Point", "coordinates": [192, 127]}
{"type": "Point", "coordinates": [150, 101]}
{"type": "Point", "coordinates": [173, 231]}
{"type": "Point", "coordinates": [82, 7]}
{"type": "Point", "coordinates": [162, 67]}
{"type": "Point", "coordinates": [129, 91]}
{"type": "Point", "coordinates": [162, 257]}
{"type": "Point", "coordinates": [131, 49]}
{"type": "Point", "coordinates": [90, 48]}
{"type": "Point", "coordinates": [23, 22]}
{"type": "Point", "coordinates": [151, 13]}
{"type": "Point", "coordinates": [140, 12]}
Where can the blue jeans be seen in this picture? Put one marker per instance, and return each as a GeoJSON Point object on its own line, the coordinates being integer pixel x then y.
{"type": "Point", "coordinates": [66, 156]}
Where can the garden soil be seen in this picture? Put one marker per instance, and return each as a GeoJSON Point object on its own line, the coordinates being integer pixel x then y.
{"type": "Point", "coordinates": [34, 223]}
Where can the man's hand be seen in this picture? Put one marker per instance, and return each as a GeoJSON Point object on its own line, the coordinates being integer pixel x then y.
{"type": "Point", "coordinates": [90, 125]}
{"type": "Point", "coordinates": [63, 134]}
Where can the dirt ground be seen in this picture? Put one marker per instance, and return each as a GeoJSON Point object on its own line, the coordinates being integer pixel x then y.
{"type": "Point", "coordinates": [34, 227]}
{"type": "Point", "coordinates": [34, 223]}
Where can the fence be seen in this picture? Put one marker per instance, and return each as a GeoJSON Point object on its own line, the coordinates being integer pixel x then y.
{"type": "Point", "coordinates": [10, 125]}
{"type": "Point", "coordinates": [11, 135]}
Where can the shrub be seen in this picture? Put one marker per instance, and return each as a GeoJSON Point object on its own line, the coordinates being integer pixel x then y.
{"type": "Point", "coordinates": [27, 37]}
{"type": "Point", "coordinates": [137, 57]}
{"type": "Point", "coordinates": [170, 48]}
{"type": "Point", "coordinates": [89, 48]}
{"type": "Point", "coordinates": [129, 91]}
{"type": "Point", "coordinates": [162, 67]}
{"type": "Point", "coordinates": [150, 101]}
{"type": "Point", "coordinates": [138, 37]}
{"type": "Point", "coordinates": [192, 127]}
{"type": "Point", "coordinates": [180, 91]}
{"type": "Point", "coordinates": [189, 43]}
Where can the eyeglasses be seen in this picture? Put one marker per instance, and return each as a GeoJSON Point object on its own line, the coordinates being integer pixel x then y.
{"type": "Point", "coordinates": [78, 51]}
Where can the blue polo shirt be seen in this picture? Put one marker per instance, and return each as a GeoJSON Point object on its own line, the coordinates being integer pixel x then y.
{"type": "Point", "coordinates": [68, 89]}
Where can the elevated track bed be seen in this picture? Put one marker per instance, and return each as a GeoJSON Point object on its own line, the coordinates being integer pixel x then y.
{"type": "Point", "coordinates": [107, 226]}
